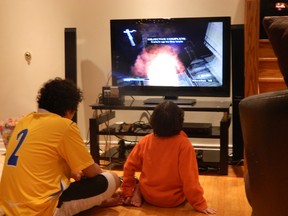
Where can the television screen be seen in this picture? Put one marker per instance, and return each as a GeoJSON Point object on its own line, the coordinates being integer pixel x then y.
{"type": "Point", "coordinates": [171, 57]}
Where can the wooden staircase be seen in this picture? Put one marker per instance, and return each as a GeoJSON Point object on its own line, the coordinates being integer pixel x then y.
{"type": "Point", "coordinates": [269, 75]}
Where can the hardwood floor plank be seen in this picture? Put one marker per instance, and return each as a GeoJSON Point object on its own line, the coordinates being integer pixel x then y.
{"type": "Point", "coordinates": [224, 193]}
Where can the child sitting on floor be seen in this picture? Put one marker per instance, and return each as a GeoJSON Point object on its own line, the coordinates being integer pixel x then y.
{"type": "Point", "coordinates": [168, 165]}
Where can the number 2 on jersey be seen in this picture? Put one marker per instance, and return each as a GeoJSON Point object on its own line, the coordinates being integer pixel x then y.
{"type": "Point", "coordinates": [12, 161]}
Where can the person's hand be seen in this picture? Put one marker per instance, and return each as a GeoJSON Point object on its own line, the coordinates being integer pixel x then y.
{"type": "Point", "coordinates": [77, 175]}
{"type": "Point", "coordinates": [127, 200]}
{"type": "Point", "coordinates": [209, 211]}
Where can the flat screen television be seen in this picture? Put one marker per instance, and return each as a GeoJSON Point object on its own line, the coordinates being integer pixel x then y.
{"type": "Point", "coordinates": [174, 58]}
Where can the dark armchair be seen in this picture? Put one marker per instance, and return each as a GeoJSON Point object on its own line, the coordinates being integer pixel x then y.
{"type": "Point", "coordinates": [264, 123]}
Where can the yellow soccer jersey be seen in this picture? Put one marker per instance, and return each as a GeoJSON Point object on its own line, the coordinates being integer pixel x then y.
{"type": "Point", "coordinates": [43, 150]}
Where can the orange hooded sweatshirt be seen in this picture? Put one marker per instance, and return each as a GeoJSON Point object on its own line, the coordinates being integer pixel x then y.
{"type": "Point", "coordinates": [169, 171]}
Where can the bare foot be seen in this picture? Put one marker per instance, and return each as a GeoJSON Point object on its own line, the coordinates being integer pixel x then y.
{"type": "Point", "coordinates": [136, 199]}
{"type": "Point", "coordinates": [115, 200]}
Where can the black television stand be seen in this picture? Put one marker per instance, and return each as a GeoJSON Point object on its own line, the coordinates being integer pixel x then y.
{"type": "Point", "coordinates": [179, 101]}
{"type": "Point", "coordinates": [104, 120]}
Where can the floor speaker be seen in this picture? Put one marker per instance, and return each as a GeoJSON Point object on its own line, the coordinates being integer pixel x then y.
{"type": "Point", "coordinates": [238, 88]}
{"type": "Point", "coordinates": [71, 57]}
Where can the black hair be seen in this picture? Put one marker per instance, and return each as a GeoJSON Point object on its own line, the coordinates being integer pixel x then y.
{"type": "Point", "coordinates": [59, 95]}
{"type": "Point", "coordinates": [167, 119]}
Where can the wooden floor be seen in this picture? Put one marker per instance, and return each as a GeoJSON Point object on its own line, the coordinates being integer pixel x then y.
{"type": "Point", "coordinates": [224, 193]}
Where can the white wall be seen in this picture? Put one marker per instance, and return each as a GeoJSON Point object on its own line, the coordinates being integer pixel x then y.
{"type": "Point", "coordinates": [38, 27]}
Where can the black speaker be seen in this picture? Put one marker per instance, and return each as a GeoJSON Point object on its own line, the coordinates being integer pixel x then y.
{"type": "Point", "coordinates": [238, 88]}
{"type": "Point", "coordinates": [71, 57]}
{"type": "Point", "coordinates": [70, 54]}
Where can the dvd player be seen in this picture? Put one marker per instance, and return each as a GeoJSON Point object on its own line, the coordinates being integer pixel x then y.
{"type": "Point", "coordinates": [197, 128]}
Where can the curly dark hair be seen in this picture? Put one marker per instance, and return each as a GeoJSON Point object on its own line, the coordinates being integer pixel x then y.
{"type": "Point", "coordinates": [59, 95]}
{"type": "Point", "coordinates": [167, 119]}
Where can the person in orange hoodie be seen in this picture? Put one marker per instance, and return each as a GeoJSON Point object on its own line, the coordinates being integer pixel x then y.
{"type": "Point", "coordinates": [167, 162]}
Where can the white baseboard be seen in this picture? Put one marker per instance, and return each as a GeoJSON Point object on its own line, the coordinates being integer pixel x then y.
{"type": "Point", "coordinates": [197, 146]}
{"type": "Point", "coordinates": [2, 147]}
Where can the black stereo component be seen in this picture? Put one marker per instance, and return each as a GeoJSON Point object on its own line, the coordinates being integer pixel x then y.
{"type": "Point", "coordinates": [111, 96]}
{"type": "Point", "coordinates": [197, 128]}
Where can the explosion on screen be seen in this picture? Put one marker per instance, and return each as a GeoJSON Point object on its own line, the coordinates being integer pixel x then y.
{"type": "Point", "coordinates": [160, 64]}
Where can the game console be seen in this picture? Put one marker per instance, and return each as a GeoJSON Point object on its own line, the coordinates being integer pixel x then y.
{"type": "Point", "coordinates": [111, 96]}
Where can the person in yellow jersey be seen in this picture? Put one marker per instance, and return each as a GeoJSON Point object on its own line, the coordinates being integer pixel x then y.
{"type": "Point", "coordinates": [44, 155]}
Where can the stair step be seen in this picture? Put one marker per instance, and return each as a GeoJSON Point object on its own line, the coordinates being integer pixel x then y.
{"type": "Point", "coordinates": [265, 49]}
{"type": "Point", "coordinates": [271, 84]}
{"type": "Point", "coordinates": [267, 68]}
